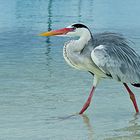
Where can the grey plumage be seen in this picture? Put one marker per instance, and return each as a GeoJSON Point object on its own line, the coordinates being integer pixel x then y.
{"type": "Point", "coordinates": [116, 58]}
{"type": "Point", "coordinates": [105, 55]}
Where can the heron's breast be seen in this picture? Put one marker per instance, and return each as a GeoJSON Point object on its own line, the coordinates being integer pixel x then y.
{"type": "Point", "coordinates": [73, 59]}
{"type": "Point", "coordinates": [81, 62]}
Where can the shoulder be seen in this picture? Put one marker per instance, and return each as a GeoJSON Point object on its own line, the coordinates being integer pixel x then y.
{"type": "Point", "coordinates": [109, 38]}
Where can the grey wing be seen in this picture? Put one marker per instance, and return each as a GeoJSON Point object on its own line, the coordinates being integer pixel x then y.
{"type": "Point", "coordinates": [120, 62]}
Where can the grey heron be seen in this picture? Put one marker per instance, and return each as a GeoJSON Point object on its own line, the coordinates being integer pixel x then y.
{"type": "Point", "coordinates": [104, 55]}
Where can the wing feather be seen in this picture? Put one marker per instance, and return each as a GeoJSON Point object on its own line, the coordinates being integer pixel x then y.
{"type": "Point", "coordinates": [121, 62]}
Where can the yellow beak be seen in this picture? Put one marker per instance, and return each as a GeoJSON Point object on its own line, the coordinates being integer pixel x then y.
{"type": "Point", "coordinates": [62, 31]}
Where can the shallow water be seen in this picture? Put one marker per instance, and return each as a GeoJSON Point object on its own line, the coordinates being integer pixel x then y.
{"type": "Point", "coordinates": [40, 94]}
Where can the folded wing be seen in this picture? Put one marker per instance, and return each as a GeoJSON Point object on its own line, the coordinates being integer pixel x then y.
{"type": "Point", "coordinates": [120, 62]}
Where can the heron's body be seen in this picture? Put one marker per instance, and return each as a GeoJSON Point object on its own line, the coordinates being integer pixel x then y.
{"type": "Point", "coordinates": [94, 56]}
{"type": "Point", "coordinates": [105, 55]}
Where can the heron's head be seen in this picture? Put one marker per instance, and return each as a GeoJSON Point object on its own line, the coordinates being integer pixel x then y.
{"type": "Point", "coordinates": [74, 30]}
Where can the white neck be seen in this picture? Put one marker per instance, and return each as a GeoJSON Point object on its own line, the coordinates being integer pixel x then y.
{"type": "Point", "coordinates": [82, 41]}
{"type": "Point", "coordinates": [72, 50]}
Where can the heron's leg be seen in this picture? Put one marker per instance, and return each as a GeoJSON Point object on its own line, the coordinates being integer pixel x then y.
{"type": "Point", "coordinates": [132, 97]}
{"type": "Point", "coordinates": [86, 105]}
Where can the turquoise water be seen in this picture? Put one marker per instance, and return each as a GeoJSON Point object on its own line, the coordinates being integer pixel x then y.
{"type": "Point", "coordinates": [40, 94]}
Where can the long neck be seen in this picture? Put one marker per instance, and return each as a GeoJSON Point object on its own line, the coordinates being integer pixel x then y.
{"type": "Point", "coordinates": [72, 50]}
{"type": "Point", "coordinates": [82, 41]}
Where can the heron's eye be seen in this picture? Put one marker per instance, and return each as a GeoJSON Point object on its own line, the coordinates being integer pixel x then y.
{"type": "Point", "coordinates": [74, 28]}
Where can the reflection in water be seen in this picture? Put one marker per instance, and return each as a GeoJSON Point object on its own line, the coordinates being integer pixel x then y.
{"type": "Point", "coordinates": [89, 10]}
{"type": "Point", "coordinates": [49, 20]}
{"type": "Point", "coordinates": [85, 118]}
{"type": "Point", "coordinates": [132, 131]}
{"type": "Point", "coordinates": [79, 10]}
{"type": "Point", "coordinates": [89, 126]}
{"type": "Point", "coordinates": [134, 128]}
{"type": "Point", "coordinates": [48, 46]}
{"type": "Point", "coordinates": [91, 6]}
{"type": "Point", "coordinates": [67, 117]}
